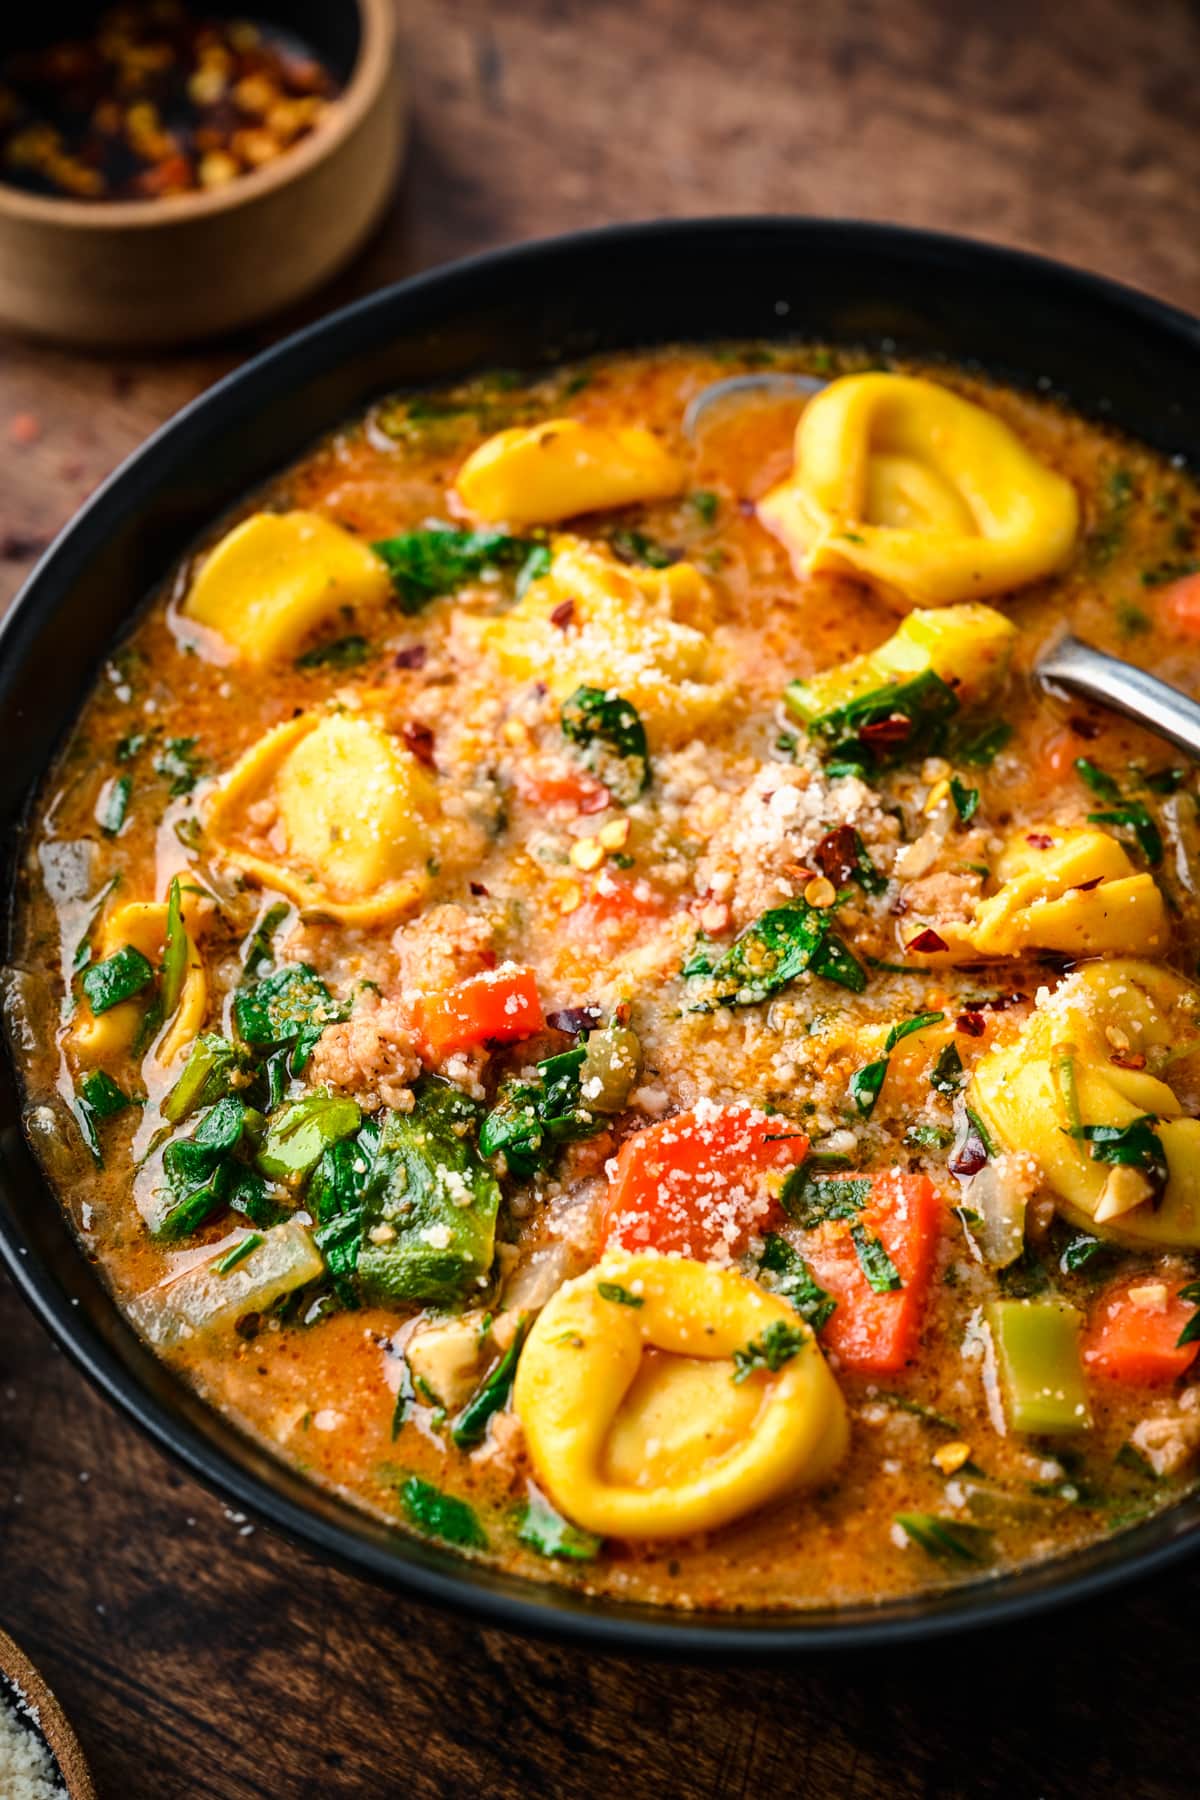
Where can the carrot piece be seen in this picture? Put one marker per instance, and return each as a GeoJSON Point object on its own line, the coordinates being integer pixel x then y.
{"type": "Point", "coordinates": [701, 1184]}
{"type": "Point", "coordinates": [568, 787]}
{"type": "Point", "coordinates": [1139, 1343]}
{"type": "Point", "coordinates": [498, 1007]}
{"type": "Point", "coordinates": [877, 1333]}
{"type": "Point", "coordinates": [1179, 606]}
{"type": "Point", "coordinates": [612, 900]}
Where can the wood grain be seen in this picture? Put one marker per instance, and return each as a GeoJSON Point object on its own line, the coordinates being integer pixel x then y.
{"type": "Point", "coordinates": [202, 1660]}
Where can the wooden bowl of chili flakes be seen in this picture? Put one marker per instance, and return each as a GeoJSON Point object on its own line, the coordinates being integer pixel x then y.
{"type": "Point", "coordinates": [171, 170]}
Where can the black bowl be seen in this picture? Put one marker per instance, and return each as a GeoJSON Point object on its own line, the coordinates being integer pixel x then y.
{"type": "Point", "coordinates": [1113, 353]}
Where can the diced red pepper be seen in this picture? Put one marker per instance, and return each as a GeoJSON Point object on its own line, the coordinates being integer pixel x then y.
{"type": "Point", "coordinates": [702, 1183]}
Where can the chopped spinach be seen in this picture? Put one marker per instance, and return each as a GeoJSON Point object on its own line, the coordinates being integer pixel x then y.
{"type": "Point", "coordinates": [783, 1271]}
{"type": "Point", "coordinates": [119, 977]}
{"type": "Point", "coordinates": [620, 1296]}
{"type": "Point", "coordinates": [881, 1272]}
{"type": "Point", "coordinates": [865, 1085]}
{"type": "Point", "coordinates": [776, 1345]}
{"type": "Point", "coordinates": [906, 1027]}
{"type": "Point", "coordinates": [175, 952]}
{"type": "Point", "coordinates": [342, 653]}
{"type": "Point", "coordinates": [609, 732]}
{"type": "Point", "coordinates": [440, 1515]}
{"type": "Point", "coordinates": [428, 563]}
{"type": "Point", "coordinates": [704, 504]}
{"type": "Point", "coordinates": [178, 764]}
{"type": "Point", "coordinates": [472, 1422]}
{"type": "Point", "coordinates": [536, 565]}
{"type": "Point", "coordinates": [531, 1119]}
{"type": "Point", "coordinates": [636, 547]}
{"type": "Point", "coordinates": [948, 1540]}
{"type": "Point", "coordinates": [811, 1199]}
{"type": "Point", "coordinates": [897, 723]}
{"type": "Point", "coordinates": [966, 800]}
{"type": "Point", "coordinates": [202, 1172]}
{"type": "Point", "coordinates": [1136, 1145]}
{"type": "Point", "coordinates": [928, 1137]}
{"type": "Point", "coordinates": [101, 1094]}
{"type": "Point", "coordinates": [546, 1532]}
{"type": "Point", "coordinates": [946, 1076]}
{"type": "Point", "coordinates": [778, 946]}
{"type": "Point", "coordinates": [980, 748]}
{"type": "Point", "coordinates": [286, 1010]}
{"type": "Point", "coordinates": [260, 949]}
{"type": "Point", "coordinates": [300, 1133]}
{"type": "Point", "coordinates": [1133, 816]}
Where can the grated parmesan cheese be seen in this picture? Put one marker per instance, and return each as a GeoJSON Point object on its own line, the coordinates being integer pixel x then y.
{"type": "Point", "coordinates": [28, 1770]}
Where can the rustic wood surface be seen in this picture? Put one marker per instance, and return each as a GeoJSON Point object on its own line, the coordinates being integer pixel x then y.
{"type": "Point", "coordinates": [199, 1658]}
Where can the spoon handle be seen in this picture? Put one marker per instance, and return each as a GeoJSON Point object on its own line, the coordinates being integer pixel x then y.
{"type": "Point", "coordinates": [1092, 673]}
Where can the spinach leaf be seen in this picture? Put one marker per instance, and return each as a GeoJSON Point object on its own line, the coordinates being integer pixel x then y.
{"type": "Point", "coordinates": [636, 547]}
{"type": "Point", "coordinates": [811, 1199]}
{"type": "Point", "coordinates": [289, 1009]}
{"type": "Point", "coordinates": [260, 951]}
{"type": "Point", "coordinates": [901, 722]}
{"type": "Point", "coordinates": [1191, 1331]}
{"type": "Point", "coordinates": [299, 1134]}
{"type": "Point", "coordinates": [1083, 1252]}
{"type": "Point", "coordinates": [440, 1515]}
{"type": "Point", "coordinates": [949, 1540]}
{"type": "Point", "coordinates": [534, 568]}
{"type": "Point", "coordinates": [980, 748]}
{"type": "Point", "coordinates": [101, 1093]}
{"type": "Point", "coordinates": [865, 1085]}
{"type": "Point", "coordinates": [210, 1072]}
{"type": "Point", "coordinates": [620, 1296]}
{"type": "Point", "coordinates": [928, 1137]}
{"type": "Point", "coordinates": [175, 952]}
{"type": "Point", "coordinates": [906, 1027]}
{"type": "Point", "coordinates": [426, 564]}
{"type": "Point", "coordinates": [1136, 1145]}
{"type": "Point", "coordinates": [783, 1271]}
{"type": "Point", "coordinates": [878, 1267]}
{"type": "Point", "coordinates": [202, 1171]}
{"type": "Point", "coordinates": [1133, 816]}
{"type": "Point", "coordinates": [342, 653]}
{"type": "Point", "coordinates": [472, 1422]}
{"type": "Point", "coordinates": [335, 1195]}
{"type": "Point", "coordinates": [119, 977]}
{"type": "Point", "coordinates": [776, 1345]}
{"type": "Point", "coordinates": [530, 1119]}
{"type": "Point", "coordinates": [781, 944]}
{"type": "Point", "coordinates": [1101, 784]}
{"type": "Point", "coordinates": [609, 732]}
{"type": "Point", "coordinates": [966, 800]}
{"type": "Point", "coordinates": [546, 1532]}
{"type": "Point", "coordinates": [946, 1076]}
{"type": "Point", "coordinates": [178, 763]}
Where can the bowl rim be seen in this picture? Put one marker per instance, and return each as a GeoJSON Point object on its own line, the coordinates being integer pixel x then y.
{"type": "Point", "coordinates": [368, 78]}
{"type": "Point", "coordinates": [408, 1564]}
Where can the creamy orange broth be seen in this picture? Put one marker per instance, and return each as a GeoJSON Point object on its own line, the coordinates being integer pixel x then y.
{"type": "Point", "coordinates": [323, 1393]}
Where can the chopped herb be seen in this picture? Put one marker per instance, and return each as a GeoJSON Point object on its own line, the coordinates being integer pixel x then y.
{"type": "Point", "coordinates": [441, 1515]}
{"type": "Point", "coordinates": [101, 1094]}
{"type": "Point", "coordinates": [966, 800]}
{"type": "Point", "coordinates": [241, 1250]}
{"type": "Point", "coordinates": [636, 547]}
{"type": "Point", "coordinates": [1170, 571]}
{"type": "Point", "coordinates": [609, 732]}
{"type": "Point", "coordinates": [928, 1137]}
{"type": "Point", "coordinates": [620, 1296]}
{"type": "Point", "coordinates": [949, 1540]}
{"type": "Point", "coordinates": [777, 1345]}
{"type": "Point", "coordinates": [811, 1200]}
{"type": "Point", "coordinates": [405, 1399]}
{"type": "Point", "coordinates": [343, 653]}
{"type": "Point", "coordinates": [536, 565]}
{"type": "Point", "coordinates": [865, 1084]}
{"type": "Point", "coordinates": [704, 504]}
{"type": "Point", "coordinates": [1136, 1145]}
{"type": "Point", "coordinates": [471, 1424]}
{"type": "Point", "coordinates": [783, 1271]}
{"type": "Point", "coordinates": [1107, 535]}
{"type": "Point", "coordinates": [946, 1076]}
{"type": "Point", "coordinates": [290, 1008]}
{"type": "Point", "coordinates": [906, 1027]}
{"type": "Point", "coordinates": [1191, 1331]}
{"type": "Point", "coordinates": [878, 1267]}
{"type": "Point", "coordinates": [546, 1532]}
{"type": "Point", "coordinates": [119, 977]}
{"type": "Point", "coordinates": [175, 952]}
{"type": "Point", "coordinates": [1165, 781]}
{"type": "Point", "coordinates": [1134, 817]}
{"type": "Point", "coordinates": [178, 763]}
{"type": "Point", "coordinates": [426, 564]}
{"type": "Point", "coordinates": [1084, 1252]}
{"type": "Point", "coordinates": [982, 748]}
{"type": "Point", "coordinates": [129, 746]}
{"type": "Point", "coordinates": [1096, 779]}
{"type": "Point", "coordinates": [1132, 620]}
{"type": "Point", "coordinates": [530, 1119]}
{"type": "Point", "coordinates": [113, 805]}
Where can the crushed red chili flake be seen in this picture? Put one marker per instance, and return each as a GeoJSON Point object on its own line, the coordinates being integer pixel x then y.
{"type": "Point", "coordinates": [1085, 887]}
{"type": "Point", "coordinates": [895, 729]}
{"type": "Point", "coordinates": [1084, 728]}
{"type": "Point", "coordinates": [1039, 840]}
{"type": "Point", "coordinates": [156, 101]}
{"type": "Point", "coordinates": [1128, 1059]}
{"type": "Point", "coordinates": [971, 1024]}
{"type": "Point", "coordinates": [926, 942]}
{"type": "Point", "coordinates": [480, 892]}
{"type": "Point", "coordinates": [837, 854]}
{"type": "Point", "coordinates": [419, 740]}
{"type": "Point", "coordinates": [563, 613]}
{"type": "Point", "coordinates": [412, 657]}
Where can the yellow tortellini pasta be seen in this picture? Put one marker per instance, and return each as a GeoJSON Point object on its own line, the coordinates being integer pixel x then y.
{"type": "Point", "coordinates": [539, 474]}
{"type": "Point", "coordinates": [333, 811]}
{"type": "Point", "coordinates": [635, 1424]}
{"type": "Point", "coordinates": [276, 577]}
{"type": "Point", "coordinates": [142, 924]}
{"type": "Point", "coordinates": [1104, 1049]}
{"type": "Point", "coordinates": [1074, 891]}
{"type": "Point", "coordinates": [640, 632]}
{"type": "Point", "coordinates": [925, 495]}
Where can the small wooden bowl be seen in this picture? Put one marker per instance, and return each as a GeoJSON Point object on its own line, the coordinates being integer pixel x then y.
{"type": "Point", "coordinates": [139, 273]}
{"type": "Point", "coordinates": [52, 1721]}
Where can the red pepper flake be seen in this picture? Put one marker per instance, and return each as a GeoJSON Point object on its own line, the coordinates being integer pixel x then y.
{"type": "Point", "coordinates": [419, 740]}
{"type": "Point", "coordinates": [1084, 728]}
{"type": "Point", "coordinates": [1128, 1059]}
{"type": "Point", "coordinates": [411, 657]}
{"type": "Point", "coordinates": [24, 428]}
{"type": "Point", "coordinates": [837, 854]}
{"type": "Point", "coordinates": [479, 891]}
{"type": "Point", "coordinates": [971, 1024]}
{"type": "Point", "coordinates": [1085, 887]}
{"type": "Point", "coordinates": [748, 509]}
{"type": "Point", "coordinates": [927, 941]}
{"type": "Point", "coordinates": [1039, 840]}
{"type": "Point", "coordinates": [563, 613]}
{"type": "Point", "coordinates": [895, 729]}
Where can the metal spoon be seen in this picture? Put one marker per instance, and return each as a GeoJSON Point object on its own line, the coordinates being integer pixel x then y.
{"type": "Point", "coordinates": [1094, 675]}
{"type": "Point", "coordinates": [746, 387]}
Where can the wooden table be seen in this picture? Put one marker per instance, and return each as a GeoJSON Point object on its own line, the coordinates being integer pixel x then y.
{"type": "Point", "coordinates": [201, 1657]}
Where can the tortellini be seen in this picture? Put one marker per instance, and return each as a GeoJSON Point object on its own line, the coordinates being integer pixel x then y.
{"type": "Point", "coordinates": [539, 474]}
{"type": "Point", "coordinates": [924, 495]}
{"type": "Point", "coordinates": [276, 577]}
{"type": "Point", "coordinates": [635, 1425]}
{"type": "Point", "coordinates": [335, 812]}
{"type": "Point", "coordinates": [1103, 1050]}
{"type": "Point", "coordinates": [1074, 891]}
{"type": "Point", "coordinates": [640, 632]}
{"type": "Point", "coordinates": [142, 924]}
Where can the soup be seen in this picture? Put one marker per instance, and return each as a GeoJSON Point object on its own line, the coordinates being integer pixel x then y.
{"type": "Point", "coordinates": [577, 988]}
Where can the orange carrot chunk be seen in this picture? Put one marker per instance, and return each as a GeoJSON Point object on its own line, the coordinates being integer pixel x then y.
{"type": "Point", "coordinates": [703, 1183]}
{"type": "Point", "coordinates": [1133, 1333]}
{"type": "Point", "coordinates": [1179, 606]}
{"type": "Point", "coordinates": [499, 1007]}
{"type": "Point", "coordinates": [870, 1330]}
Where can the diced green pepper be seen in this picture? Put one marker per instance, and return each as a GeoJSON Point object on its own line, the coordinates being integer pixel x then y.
{"type": "Point", "coordinates": [430, 1205]}
{"type": "Point", "coordinates": [1037, 1358]}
